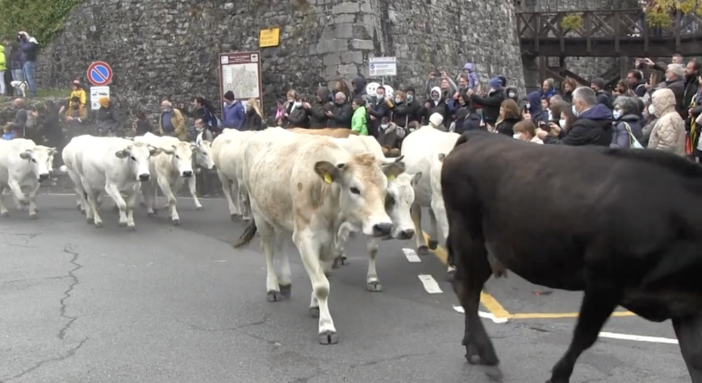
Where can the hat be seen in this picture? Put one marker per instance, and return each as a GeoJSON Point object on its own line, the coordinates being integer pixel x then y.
{"type": "Point", "coordinates": [76, 82]}
{"type": "Point", "coordinates": [599, 82]}
{"type": "Point", "coordinates": [229, 95]}
{"type": "Point", "coordinates": [436, 119]}
{"type": "Point", "coordinates": [104, 101]}
{"type": "Point", "coordinates": [495, 83]}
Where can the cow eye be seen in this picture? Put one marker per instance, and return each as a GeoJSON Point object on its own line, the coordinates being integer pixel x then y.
{"type": "Point", "coordinates": [177, 157]}
{"type": "Point", "coordinates": [133, 159]}
{"type": "Point", "coordinates": [389, 201]}
{"type": "Point", "coordinates": [33, 160]}
{"type": "Point", "coordinates": [355, 190]}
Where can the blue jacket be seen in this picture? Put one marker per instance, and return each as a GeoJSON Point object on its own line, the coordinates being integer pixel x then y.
{"type": "Point", "coordinates": [538, 116]}
{"type": "Point", "coordinates": [234, 116]}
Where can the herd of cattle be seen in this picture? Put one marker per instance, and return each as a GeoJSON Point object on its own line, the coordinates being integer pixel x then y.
{"type": "Point", "coordinates": [623, 226]}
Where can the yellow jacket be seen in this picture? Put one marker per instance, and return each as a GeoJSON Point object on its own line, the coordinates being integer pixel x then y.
{"type": "Point", "coordinates": [80, 93]}
{"type": "Point", "coordinates": [178, 123]}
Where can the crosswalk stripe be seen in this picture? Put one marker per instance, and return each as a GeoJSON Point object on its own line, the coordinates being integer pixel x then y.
{"type": "Point", "coordinates": [411, 255]}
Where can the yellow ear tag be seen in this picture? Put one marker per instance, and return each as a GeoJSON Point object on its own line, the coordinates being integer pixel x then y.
{"type": "Point", "coordinates": [391, 178]}
{"type": "Point", "coordinates": [328, 178]}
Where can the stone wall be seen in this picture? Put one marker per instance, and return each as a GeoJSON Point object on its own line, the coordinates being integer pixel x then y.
{"type": "Point", "coordinates": [169, 48]}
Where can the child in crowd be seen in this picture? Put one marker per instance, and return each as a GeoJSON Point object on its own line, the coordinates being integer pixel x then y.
{"type": "Point", "coordinates": [7, 133]}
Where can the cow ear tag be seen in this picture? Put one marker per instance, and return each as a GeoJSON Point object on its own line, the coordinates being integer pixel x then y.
{"type": "Point", "coordinates": [391, 178]}
{"type": "Point", "coordinates": [328, 178]}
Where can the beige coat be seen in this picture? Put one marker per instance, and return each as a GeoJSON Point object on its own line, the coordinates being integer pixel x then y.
{"type": "Point", "coordinates": [668, 133]}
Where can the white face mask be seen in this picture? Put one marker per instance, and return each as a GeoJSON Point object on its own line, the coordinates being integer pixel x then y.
{"type": "Point", "coordinates": [517, 136]}
{"type": "Point", "coordinates": [511, 95]}
{"type": "Point", "coordinates": [384, 126]}
{"type": "Point", "coordinates": [528, 106]}
{"type": "Point", "coordinates": [616, 114]}
{"type": "Point", "coordinates": [562, 123]}
{"type": "Point", "coordinates": [651, 110]}
{"type": "Point", "coordinates": [298, 104]}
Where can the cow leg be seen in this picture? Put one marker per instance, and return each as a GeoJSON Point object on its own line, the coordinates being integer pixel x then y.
{"type": "Point", "coordinates": [689, 334]}
{"type": "Point", "coordinates": [91, 211]}
{"type": "Point", "coordinates": [268, 245]}
{"type": "Point", "coordinates": [131, 204]}
{"type": "Point", "coordinates": [227, 191]}
{"type": "Point", "coordinates": [372, 281]}
{"type": "Point", "coordinates": [244, 203]}
{"type": "Point", "coordinates": [342, 235]}
{"type": "Point", "coordinates": [416, 212]}
{"type": "Point", "coordinates": [433, 231]}
{"type": "Point", "coordinates": [148, 191]}
{"type": "Point", "coordinates": [600, 300]}
{"type": "Point", "coordinates": [309, 248]}
{"type": "Point", "coordinates": [32, 196]}
{"type": "Point", "coordinates": [192, 183]}
{"type": "Point", "coordinates": [17, 191]}
{"type": "Point", "coordinates": [165, 187]}
{"type": "Point", "coordinates": [112, 191]}
{"type": "Point", "coordinates": [283, 272]}
{"type": "Point", "coordinates": [80, 192]}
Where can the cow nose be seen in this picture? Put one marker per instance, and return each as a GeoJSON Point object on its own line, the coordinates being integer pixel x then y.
{"type": "Point", "coordinates": [188, 173]}
{"type": "Point", "coordinates": [43, 177]}
{"type": "Point", "coordinates": [144, 177]}
{"type": "Point", "coordinates": [381, 229]}
{"type": "Point", "coordinates": [406, 234]}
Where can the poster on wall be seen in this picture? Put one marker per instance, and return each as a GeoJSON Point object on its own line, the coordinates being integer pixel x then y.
{"type": "Point", "coordinates": [240, 72]}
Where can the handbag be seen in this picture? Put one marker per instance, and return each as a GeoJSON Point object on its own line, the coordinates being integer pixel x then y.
{"type": "Point", "coordinates": [633, 142]}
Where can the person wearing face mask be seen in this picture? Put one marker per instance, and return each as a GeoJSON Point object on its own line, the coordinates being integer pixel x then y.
{"type": "Point", "coordinates": [295, 116]}
{"type": "Point", "coordinates": [377, 110]}
{"type": "Point", "coordinates": [537, 115]}
{"type": "Point", "coordinates": [492, 102]}
{"type": "Point", "coordinates": [400, 112]}
{"type": "Point", "coordinates": [341, 113]}
{"type": "Point", "coordinates": [526, 131]}
{"type": "Point", "coordinates": [415, 107]}
{"type": "Point", "coordinates": [593, 125]}
{"type": "Point", "coordinates": [512, 94]}
{"type": "Point", "coordinates": [668, 133]}
{"type": "Point", "coordinates": [627, 123]}
{"type": "Point", "coordinates": [675, 81]}
{"type": "Point", "coordinates": [436, 105]}
{"type": "Point", "coordinates": [317, 111]}
{"type": "Point", "coordinates": [561, 118]}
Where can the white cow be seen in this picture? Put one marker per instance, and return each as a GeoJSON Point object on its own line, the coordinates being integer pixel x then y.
{"type": "Point", "coordinates": [308, 186]}
{"type": "Point", "coordinates": [398, 201]}
{"type": "Point", "coordinates": [171, 168]}
{"type": "Point", "coordinates": [115, 165]}
{"type": "Point", "coordinates": [24, 164]}
{"type": "Point", "coordinates": [421, 151]}
{"type": "Point", "coordinates": [228, 153]}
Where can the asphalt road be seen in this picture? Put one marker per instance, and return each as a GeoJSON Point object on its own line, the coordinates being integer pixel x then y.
{"type": "Point", "coordinates": [178, 304]}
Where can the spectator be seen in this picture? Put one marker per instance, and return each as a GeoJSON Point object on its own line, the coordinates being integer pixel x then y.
{"type": "Point", "coordinates": [77, 113]}
{"type": "Point", "coordinates": [171, 122]}
{"type": "Point", "coordinates": [548, 88]}
{"type": "Point", "coordinates": [470, 75]}
{"type": "Point", "coordinates": [668, 133]}
{"type": "Point", "coordinates": [400, 112]}
{"type": "Point", "coordinates": [7, 133]}
{"type": "Point", "coordinates": [466, 120]}
{"type": "Point", "coordinates": [141, 125]}
{"type": "Point", "coordinates": [22, 118]}
{"type": "Point", "coordinates": [76, 100]}
{"type": "Point", "coordinates": [340, 86]}
{"type": "Point", "coordinates": [675, 81]}
{"type": "Point", "coordinates": [234, 115]}
{"type": "Point", "coordinates": [389, 137]}
{"type": "Point", "coordinates": [205, 110]}
{"type": "Point", "coordinates": [359, 123]}
{"type": "Point", "coordinates": [692, 71]}
{"type": "Point", "coordinates": [593, 125]}
{"type": "Point", "coordinates": [30, 50]}
{"type": "Point", "coordinates": [377, 110]}
{"type": "Point", "coordinates": [534, 112]}
{"type": "Point", "coordinates": [340, 115]}
{"type": "Point", "coordinates": [509, 116]}
{"type": "Point", "coordinates": [491, 104]}
{"type": "Point", "coordinates": [636, 82]}
{"type": "Point", "coordinates": [603, 97]}
{"type": "Point", "coordinates": [9, 61]}
{"type": "Point", "coordinates": [627, 123]}
{"type": "Point", "coordinates": [3, 69]}
{"type": "Point", "coordinates": [414, 105]}
{"type": "Point", "coordinates": [254, 116]}
{"type": "Point", "coordinates": [294, 115]}
{"type": "Point", "coordinates": [359, 87]}
{"type": "Point", "coordinates": [526, 131]}
{"type": "Point", "coordinates": [436, 105]}
{"type": "Point", "coordinates": [569, 85]}
{"type": "Point", "coordinates": [203, 132]}
{"type": "Point", "coordinates": [317, 111]}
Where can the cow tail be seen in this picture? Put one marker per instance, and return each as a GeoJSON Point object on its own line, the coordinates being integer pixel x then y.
{"type": "Point", "coordinates": [461, 140]}
{"type": "Point", "coordinates": [247, 235]}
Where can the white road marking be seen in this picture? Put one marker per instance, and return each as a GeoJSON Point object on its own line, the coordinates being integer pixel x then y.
{"type": "Point", "coordinates": [484, 315]}
{"type": "Point", "coordinates": [411, 255]}
{"type": "Point", "coordinates": [638, 338]}
{"type": "Point", "coordinates": [430, 284]}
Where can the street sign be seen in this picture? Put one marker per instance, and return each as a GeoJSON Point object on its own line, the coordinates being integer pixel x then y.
{"type": "Point", "coordinates": [95, 93]}
{"type": "Point", "coordinates": [99, 73]}
{"type": "Point", "coordinates": [382, 66]}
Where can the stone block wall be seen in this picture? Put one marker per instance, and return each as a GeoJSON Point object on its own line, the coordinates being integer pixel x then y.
{"type": "Point", "coordinates": [169, 48]}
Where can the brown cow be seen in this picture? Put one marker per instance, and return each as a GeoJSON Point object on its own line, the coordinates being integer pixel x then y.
{"type": "Point", "coordinates": [329, 132]}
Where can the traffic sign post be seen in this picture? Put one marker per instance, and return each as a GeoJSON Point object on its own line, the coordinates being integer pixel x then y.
{"type": "Point", "coordinates": [382, 66]}
{"type": "Point", "coordinates": [99, 73]}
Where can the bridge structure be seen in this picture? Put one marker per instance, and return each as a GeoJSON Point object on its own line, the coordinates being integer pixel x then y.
{"type": "Point", "coordinates": [623, 34]}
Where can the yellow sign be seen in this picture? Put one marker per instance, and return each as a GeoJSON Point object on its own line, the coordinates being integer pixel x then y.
{"type": "Point", "coordinates": [269, 38]}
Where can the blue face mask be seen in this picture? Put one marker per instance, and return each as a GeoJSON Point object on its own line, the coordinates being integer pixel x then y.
{"type": "Point", "coordinates": [617, 114]}
{"type": "Point", "coordinates": [575, 112]}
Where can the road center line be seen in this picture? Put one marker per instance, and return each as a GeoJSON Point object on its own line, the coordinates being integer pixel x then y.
{"type": "Point", "coordinates": [411, 255]}
{"type": "Point", "coordinates": [430, 284]}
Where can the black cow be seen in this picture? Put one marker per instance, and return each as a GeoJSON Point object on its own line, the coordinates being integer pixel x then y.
{"type": "Point", "coordinates": [622, 225]}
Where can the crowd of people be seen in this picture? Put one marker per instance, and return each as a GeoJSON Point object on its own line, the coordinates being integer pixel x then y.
{"type": "Point", "coordinates": [18, 61]}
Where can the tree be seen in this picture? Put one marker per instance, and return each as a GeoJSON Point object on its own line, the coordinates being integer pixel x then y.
{"type": "Point", "coordinates": [660, 12]}
{"type": "Point", "coordinates": [43, 20]}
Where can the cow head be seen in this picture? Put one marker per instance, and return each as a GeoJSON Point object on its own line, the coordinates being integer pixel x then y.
{"type": "Point", "coordinates": [398, 201]}
{"type": "Point", "coordinates": [41, 159]}
{"type": "Point", "coordinates": [203, 155]}
{"type": "Point", "coordinates": [363, 183]}
{"type": "Point", "coordinates": [137, 155]}
{"type": "Point", "coordinates": [182, 158]}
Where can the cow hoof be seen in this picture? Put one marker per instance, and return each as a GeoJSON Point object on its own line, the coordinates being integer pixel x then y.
{"type": "Point", "coordinates": [200, 208]}
{"type": "Point", "coordinates": [122, 224]}
{"type": "Point", "coordinates": [5, 214]}
{"type": "Point", "coordinates": [433, 244]}
{"type": "Point", "coordinates": [234, 217]}
{"type": "Point", "coordinates": [82, 211]}
{"type": "Point", "coordinates": [132, 228]}
{"type": "Point", "coordinates": [79, 208]}
{"type": "Point", "coordinates": [328, 337]}
{"type": "Point", "coordinates": [314, 311]}
{"type": "Point", "coordinates": [175, 222]}
{"type": "Point", "coordinates": [423, 250]}
{"type": "Point", "coordinates": [89, 221]}
{"type": "Point", "coordinates": [343, 260]}
{"type": "Point", "coordinates": [33, 216]}
{"type": "Point", "coordinates": [286, 291]}
{"type": "Point", "coordinates": [374, 286]}
{"type": "Point", "coordinates": [98, 224]}
{"type": "Point", "coordinates": [150, 214]}
{"type": "Point", "coordinates": [274, 296]}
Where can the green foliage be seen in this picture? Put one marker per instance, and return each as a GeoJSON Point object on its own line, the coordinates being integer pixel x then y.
{"type": "Point", "coordinates": [660, 12]}
{"type": "Point", "coordinates": [572, 21]}
{"type": "Point", "coordinates": [43, 20]}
